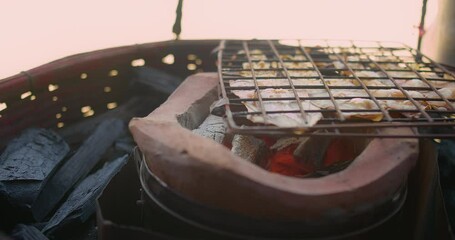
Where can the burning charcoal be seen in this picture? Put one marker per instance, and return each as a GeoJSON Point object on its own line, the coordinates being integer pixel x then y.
{"type": "Point", "coordinates": [249, 148]}
{"type": "Point", "coordinates": [213, 127]}
{"type": "Point", "coordinates": [25, 232]}
{"type": "Point", "coordinates": [148, 78]}
{"type": "Point", "coordinates": [79, 165]}
{"type": "Point", "coordinates": [80, 204]}
{"type": "Point", "coordinates": [311, 151]}
{"type": "Point", "coordinates": [27, 161]}
{"type": "Point", "coordinates": [285, 142]}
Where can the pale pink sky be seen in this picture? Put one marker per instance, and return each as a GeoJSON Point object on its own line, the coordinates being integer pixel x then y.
{"type": "Point", "coordinates": [36, 32]}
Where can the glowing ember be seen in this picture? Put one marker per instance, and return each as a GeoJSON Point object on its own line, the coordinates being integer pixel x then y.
{"type": "Point", "coordinates": [284, 162]}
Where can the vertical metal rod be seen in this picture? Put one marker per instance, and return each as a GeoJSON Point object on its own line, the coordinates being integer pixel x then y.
{"type": "Point", "coordinates": [335, 104]}
{"type": "Point", "coordinates": [288, 76]}
{"type": "Point", "coordinates": [422, 24]}
{"type": "Point", "coordinates": [177, 28]}
{"type": "Point", "coordinates": [256, 86]}
{"type": "Point", "coordinates": [230, 117]}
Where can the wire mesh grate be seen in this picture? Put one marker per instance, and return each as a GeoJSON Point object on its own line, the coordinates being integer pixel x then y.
{"type": "Point", "coordinates": [328, 87]}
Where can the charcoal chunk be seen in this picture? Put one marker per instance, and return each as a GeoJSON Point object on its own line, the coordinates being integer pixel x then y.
{"type": "Point", "coordinates": [249, 148]}
{"type": "Point", "coordinates": [27, 162]}
{"type": "Point", "coordinates": [135, 107]}
{"type": "Point", "coordinates": [147, 78]}
{"type": "Point", "coordinates": [26, 232]}
{"type": "Point", "coordinates": [32, 156]}
{"type": "Point", "coordinates": [77, 167]}
{"type": "Point", "coordinates": [20, 193]}
{"type": "Point", "coordinates": [81, 202]}
{"type": "Point", "coordinates": [213, 127]}
{"type": "Point", "coordinates": [125, 144]}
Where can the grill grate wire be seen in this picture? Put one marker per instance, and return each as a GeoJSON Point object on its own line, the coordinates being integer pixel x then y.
{"type": "Point", "coordinates": [360, 62]}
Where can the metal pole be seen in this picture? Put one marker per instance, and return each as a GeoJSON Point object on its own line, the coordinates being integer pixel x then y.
{"type": "Point", "coordinates": [422, 24]}
{"type": "Point", "coordinates": [177, 28]}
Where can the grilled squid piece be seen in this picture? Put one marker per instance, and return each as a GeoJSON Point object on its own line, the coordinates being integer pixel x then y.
{"type": "Point", "coordinates": [354, 102]}
{"type": "Point", "coordinates": [400, 104]}
{"type": "Point", "coordinates": [448, 93]}
{"type": "Point", "coordinates": [287, 119]}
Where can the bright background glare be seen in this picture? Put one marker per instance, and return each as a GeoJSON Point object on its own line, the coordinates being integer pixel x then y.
{"type": "Point", "coordinates": [37, 32]}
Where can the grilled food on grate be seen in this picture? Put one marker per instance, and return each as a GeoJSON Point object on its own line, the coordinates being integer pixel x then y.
{"type": "Point", "coordinates": [303, 87]}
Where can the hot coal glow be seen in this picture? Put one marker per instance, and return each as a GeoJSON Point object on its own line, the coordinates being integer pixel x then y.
{"type": "Point", "coordinates": [284, 162]}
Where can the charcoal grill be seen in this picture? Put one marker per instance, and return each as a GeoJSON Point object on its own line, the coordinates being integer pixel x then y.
{"type": "Point", "coordinates": [392, 63]}
{"type": "Point", "coordinates": [91, 71]}
{"type": "Point", "coordinates": [223, 192]}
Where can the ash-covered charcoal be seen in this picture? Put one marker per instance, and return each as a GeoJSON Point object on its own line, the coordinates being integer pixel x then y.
{"type": "Point", "coordinates": [249, 148]}
{"type": "Point", "coordinates": [26, 232]}
{"type": "Point", "coordinates": [80, 204]}
{"type": "Point", "coordinates": [213, 127]}
{"type": "Point", "coordinates": [27, 162]}
{"type": "Point", "coordinates": [147, 78]}
{"type": "Point", "coordinates": [218, 107]}
{"type": "Point", "coordinates": [78, 166]}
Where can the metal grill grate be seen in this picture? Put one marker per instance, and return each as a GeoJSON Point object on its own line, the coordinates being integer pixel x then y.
{"type": "Point", "coordinates": [341, 88]}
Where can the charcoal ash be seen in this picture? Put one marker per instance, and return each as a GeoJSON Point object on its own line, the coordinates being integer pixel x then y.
{"type": "Point", "coordinates": [250, 148]}
{"type": "Point", "coordinates": [212, 127]}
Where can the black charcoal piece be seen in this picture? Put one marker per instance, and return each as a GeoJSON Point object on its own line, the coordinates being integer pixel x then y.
{"type": "Point", "coordinates": [26, 232]}
{"type": "Point", "coordinates": [77, 167]}
{"type": "Point", "coordinates": [147, 79]}
{"type": "Point", "coordinates": [125, 144]}
{"type": "Point", "coordinates": [20, 193]}
{"type": "Point", "coordinates": [27, 162]}
{"type": "Point", "coordinates": [135, 107]}
{"type": "Point", "coordinates": [32, 156]}
{"type": "Point", "coordinates": [80, 204]}
{"type": "Point", "coordinates": [312, 150]}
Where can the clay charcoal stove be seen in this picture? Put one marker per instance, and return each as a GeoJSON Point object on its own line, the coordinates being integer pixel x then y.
{"type": "Point", "coordinates": [204, 183]}
{"type": "Point", "coordinates": [299, 154]}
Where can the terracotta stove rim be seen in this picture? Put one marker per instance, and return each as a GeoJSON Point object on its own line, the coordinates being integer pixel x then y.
{"type": "Point", "coordinates": [282, 183]}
